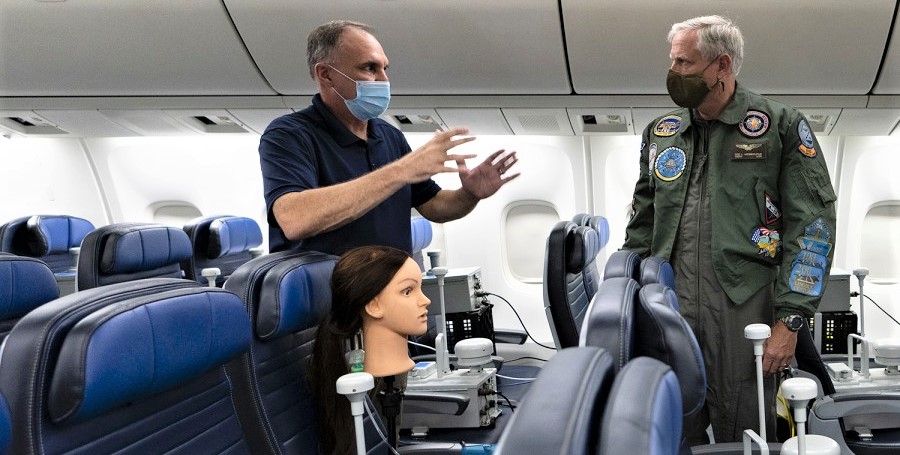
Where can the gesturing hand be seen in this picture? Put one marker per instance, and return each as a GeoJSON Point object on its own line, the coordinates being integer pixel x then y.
{"type": "Point", "coordinates": [431, 158]}
{"type": "Point", "coordinates": [489, 176]}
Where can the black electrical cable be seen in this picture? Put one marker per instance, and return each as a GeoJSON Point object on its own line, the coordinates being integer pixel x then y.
{"type": "Point", "coordinates": [518, 317]}
{"type": "Point", "coordinates": [508, 401]}
{"type": "Point", "coordinates": [882, 310]}
{"type": "Point", "coordinates": [525, 357]}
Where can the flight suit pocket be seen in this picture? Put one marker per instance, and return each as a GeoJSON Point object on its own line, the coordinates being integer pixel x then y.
{"type": "Point", "coordinates": [818, 188]}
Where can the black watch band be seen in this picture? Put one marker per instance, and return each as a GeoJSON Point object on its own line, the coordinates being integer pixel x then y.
{"type": "Point", "coordinates": [793, 322]}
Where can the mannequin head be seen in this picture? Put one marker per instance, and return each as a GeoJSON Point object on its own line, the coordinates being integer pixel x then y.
{"type": "Point", "coordinates": [375, 290]}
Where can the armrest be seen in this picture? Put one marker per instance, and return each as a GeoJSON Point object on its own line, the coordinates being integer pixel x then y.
{"type": "Point", "coordinates": [847, 404]}
{"type": "Point", "coordinates": [510, 336]}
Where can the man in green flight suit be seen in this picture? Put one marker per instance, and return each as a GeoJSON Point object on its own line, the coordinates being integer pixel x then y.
{"type": "Point", "coordinates": [734, 191]}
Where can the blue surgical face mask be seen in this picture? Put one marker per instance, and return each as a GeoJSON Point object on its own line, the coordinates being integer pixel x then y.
{"type": "Point", "coordinates": [372, 98]}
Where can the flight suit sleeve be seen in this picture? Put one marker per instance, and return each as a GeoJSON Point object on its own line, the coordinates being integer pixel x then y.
{"type": "Point", "coordinates": [639, 232]}
{"type": "Point", "coordinates": [808, 231]}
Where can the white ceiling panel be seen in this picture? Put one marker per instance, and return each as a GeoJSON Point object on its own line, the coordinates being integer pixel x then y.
{"type": "Point", "coordinates": [866, 122]}
{"type": "Point", "coordinates": [441, 48]}
{"type": "Point", "coordinates": [618, 47]}
{"type": "Point", "coordinates": [122, 47]}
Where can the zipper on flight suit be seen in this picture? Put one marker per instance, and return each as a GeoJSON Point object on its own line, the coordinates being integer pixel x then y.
{"type": "Point", "coordinates": [701, 143]}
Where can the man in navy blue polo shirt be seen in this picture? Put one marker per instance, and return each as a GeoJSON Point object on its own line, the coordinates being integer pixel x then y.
{"type": "Point", "coordinates": [336, 176]}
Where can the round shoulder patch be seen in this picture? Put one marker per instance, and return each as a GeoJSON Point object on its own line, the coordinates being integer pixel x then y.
{"type": "Point", "coordinates": [806, 137]}
{"type": "Point", "coordinates": [754, 124]}
{"type": "Point", "coordinates": [667, 126]}
{"type": "Point", "coordinates": [670, 164]}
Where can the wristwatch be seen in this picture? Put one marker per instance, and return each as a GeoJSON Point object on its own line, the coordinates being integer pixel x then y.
{"type": "Point", "coordinates": [793, 322]}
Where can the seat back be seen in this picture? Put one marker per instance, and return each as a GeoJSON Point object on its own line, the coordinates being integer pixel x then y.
{"type": "Point", "coordinates": [562, 410]}
{"type": "Point", "coordinates": [571, 278]}
{"type": "Point", "coordinates": [623, 263]}
{"type": "Point", "coordinates": [643, 412]}
{"type": "Point", "coordinates": [134, 367]}
{"type": "Point", "coordinates": [655, 269]}
{"type": "Point", "coordinates": [421, 238]}
{"type": "Point", "coordinates": [45, 237]}
{"type": "Point", "coordinates": [131, 251]}
{"type": "Point", "coordinates": [662, 334]}
{"type": "Point", "coordinates": [221, 241]}
{"type": "Point", "coordinates": [286, 294]}
{"type": "Point", "coordinates": [5, 427]}
{"type": "Point", "coordinates": [25, 284]}
{"type": "Point", "coordinates": [610, 319]}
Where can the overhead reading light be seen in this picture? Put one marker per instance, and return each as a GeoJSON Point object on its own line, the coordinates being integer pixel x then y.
{"type": "Point", "coordinates": [27, 122]}
{"type": "Point", "coordinates": [414, 120]}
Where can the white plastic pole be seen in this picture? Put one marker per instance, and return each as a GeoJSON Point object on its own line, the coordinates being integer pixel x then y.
{"type": "Point", "coordinates": [758, 333]}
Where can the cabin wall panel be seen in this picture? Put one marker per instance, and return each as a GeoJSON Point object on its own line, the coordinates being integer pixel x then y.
{"type": "Point", "coordinates": [217, 175]}
{"type": "Point", "coordinates": [47, 177]}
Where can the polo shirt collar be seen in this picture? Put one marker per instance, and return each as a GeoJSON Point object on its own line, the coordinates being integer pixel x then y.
{"type": "Point", "coordinates": [341, 134]}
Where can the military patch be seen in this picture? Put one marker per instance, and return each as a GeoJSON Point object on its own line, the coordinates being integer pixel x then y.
{"type": "Point", "coordinates": [814, 245]}
{"type": "Point", "coordinates": [768, 241]}
{"type": "Point", "coordinates": [670, 164]}
{"type": "Point", "coordinates": [817, 230]}
{"type": "Point", "coordinates": [772, 214]}
{"type": "Point", "coordinates": [809, 152]}
{"type": "Point", "coordinates": [667, 126]}
{"type": "Point", "coordinates": [806, 137]}
{"type": "Point", "coordinates": [807, 280]}
{"type": "Point", "coordinates": [754, 124]}
{"type": "Point", "coordinates": [652, 158]}
{"type": "Point", "coordinates": [757, 151]}
{"type": "Point", "coordinates": [811, 259]}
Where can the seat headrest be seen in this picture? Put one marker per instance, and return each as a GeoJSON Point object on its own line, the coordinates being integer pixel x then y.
{"type": "Point", "coordinates": [421, 233]}
{"type": "Point", "coordinates": [295, 296]}
{"type": "Point", "coordinates": [623, 263]}
{"type": "Point", "coordinates": [25, 284]}
{"type": "Point", "coordinates": [643, 413]}
{"type": "Point", "coordinates": [595, 222]}
{"type": "Point", "coordinates": [655, 269]}
{"type": "Point", "coordinates": [232, 234]}
{"type": "Point", "coordinates": [609, 323]}
{"type": "Point", "coordinates": [133, 248]}
{"type": "Point", "coordinates": [663, 334]}
{"type": "Point", "coordinates": [563, 407]}
{"type": "Point", "coordinates": [582, 246]}
{"type": "Point", "coordinates": [581, 219]}
{"type": "Point", "coordinates": [56, 234]}
{"type": "Point", "coordinates": [133, 349]}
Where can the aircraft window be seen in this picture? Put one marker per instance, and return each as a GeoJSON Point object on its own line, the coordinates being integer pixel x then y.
{"type": "Point", "coordinates": [526, 227]}
{"type": "Point", "coordinates": [174, 213]}
{"type": "Point", "coordinates": [880, 244]}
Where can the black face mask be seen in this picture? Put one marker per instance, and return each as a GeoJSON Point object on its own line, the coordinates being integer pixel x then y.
{"type": "Point", "coordinates": [687, 90]}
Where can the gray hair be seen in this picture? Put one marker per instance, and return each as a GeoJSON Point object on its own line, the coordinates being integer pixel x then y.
{"type": "Point", "coordinates": [717, 35]}
{"type": "Point", "coordinates": [324, 39]}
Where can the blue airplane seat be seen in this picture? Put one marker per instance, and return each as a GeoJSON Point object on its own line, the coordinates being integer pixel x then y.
{"type": "Point", "coordinates": [610, 319]}
{"type": "Point", "coordinates": [663, 334]}
{"type": "Point", "coordinates": [623, 263]}
{"type": "Point", "coordinates": [45, 237]}
{"type": "Point", "coordinates": [285, 294]}
{"type": "Point", "coordinates": [571, 278]}
{"type": "Point", "coordinates": [5, 427]}
{"type": "Point", "coordinates": [131, 368]}
{"type": "Point", "coordinates": [222, 241]}
{"type": "Point", "coordinates": [643, 412]}
{"type": "Point", "coordinates": [131, 251]}
{"type": "Point", "coordinates": [421, 238]}
{"type": "Point", "coordinates": [562, 410]}
{"type": "Point", "coordinates": [655, 269]}
{"type": "Point", "coordinates": [25, 284]}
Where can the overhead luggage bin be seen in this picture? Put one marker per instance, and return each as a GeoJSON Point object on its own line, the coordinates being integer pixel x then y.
{"type": "Point", "coordinates": [123, 47]}
{"type": "Point", "coordinates": [464, 47]}
{"type": "Point", "coordinates": [617, 47]}
{"type": "Point", "coordinates": [889, 79]}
